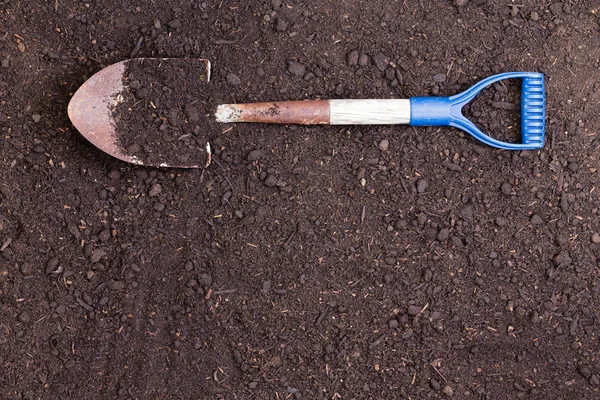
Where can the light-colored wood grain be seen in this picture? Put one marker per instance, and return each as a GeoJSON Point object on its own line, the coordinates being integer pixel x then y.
{"type": "Point", "coordinates": [369, 112]}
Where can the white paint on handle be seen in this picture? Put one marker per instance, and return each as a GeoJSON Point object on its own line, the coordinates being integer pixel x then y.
{"type": "Point", "coordinates": [369, 112]}
{"type": "Point", "coordinates": [228, 113]}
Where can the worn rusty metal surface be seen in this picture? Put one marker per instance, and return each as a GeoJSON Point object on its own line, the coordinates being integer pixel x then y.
{"type": "Point", "coordinates": [91, 111]}
{"type": "Point", "coordinates": [307, 112]}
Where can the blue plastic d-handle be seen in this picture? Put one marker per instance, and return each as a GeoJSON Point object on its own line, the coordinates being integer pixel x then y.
{"type": "Point", "coordinates": [447, 111]}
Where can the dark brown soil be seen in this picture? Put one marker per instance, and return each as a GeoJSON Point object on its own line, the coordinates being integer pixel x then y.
{"type": "Point", "coordinates": [165, 114]}
{"type": "Point", "coordinates": [497, 111]}
{"type": "Point", "coordinates": [305, 262]}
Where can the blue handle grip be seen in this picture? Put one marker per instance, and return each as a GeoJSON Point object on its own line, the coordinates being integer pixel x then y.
{"type": "Point", "coordinates": [447, 111]}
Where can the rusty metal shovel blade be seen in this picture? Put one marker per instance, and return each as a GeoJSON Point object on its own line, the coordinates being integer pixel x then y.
{"type": "Point", "coordinates": [91, 110]}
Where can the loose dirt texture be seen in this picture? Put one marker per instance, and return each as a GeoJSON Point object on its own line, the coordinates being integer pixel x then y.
{"type": "Point", "coordinates": [497, 111]}
{"type": "Point", "coordinates": [164, 115]}
{"type": "Point", "coordinates": [305, 262]}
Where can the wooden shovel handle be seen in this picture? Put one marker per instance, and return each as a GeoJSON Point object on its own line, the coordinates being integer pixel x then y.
{"type": "Point", "coordinates": [308, 112]}
{"type": "Point", "coordinates": [311, 112]}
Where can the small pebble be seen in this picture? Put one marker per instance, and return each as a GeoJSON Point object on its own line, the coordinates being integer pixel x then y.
{"type": "Point", "coordinates": [422, 185]}
{"type": "Point", "coordinates": [271, 181]}
{"type": "Point", "coordinates": [233, 80]}
{"type": "Point", "coordinates": [595, 238]}
{"type": "Point", "coordinates": [51, 265]}
{"type": "Point", "coordinates": [296, 69]}
{"type": "Point", "coordinates": [384, 145]}
{"type": "Point", "coordinates": [24, 317]}
{"type": "Point", "coordinates": [381, 61]}
{"type": "Point", "coordinates": [536, 220]}
{"type": "Point", "coordinates": [414, 310]}
{"type": "Point", "coordinates": [506, 189]}
{"type": "Point", "coordinates": [175, 24]}
{"type": "Point", "coordinates": [193, 113]}
{"type": "Point", "coordinates": [352, 58]}
{"type": "Point", "coordinates": [97, 255]}
{"type": "Point", "coordinates": [562, 259]}
{"type": "Point", "coordinates": [556, 8]}
{"type": "Point", "coordinates": [584, 371]}
{"type": "Point", "coordinates": [448, 391]}
{"type": "Point", "coordinates": [390, 74]}
{"type": "Point", "coordinates": [439, 78]}
{"type": "Point", "coordinates": [460, 3]}
{"type": "Point", "coordinates": [255, 155]}
{"type": "Point", "coordinates": [281, 25]}
{"type": "Point", "coordinates": [443, 234]}
{"type": "Point", "coordinates": [155, 190]}
{"type": "Point", "coordinates": [116, 285]}
{"type": "Point", "coordinates": [363, 60]}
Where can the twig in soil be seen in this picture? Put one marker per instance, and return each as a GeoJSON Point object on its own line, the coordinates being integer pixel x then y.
{"type": "Point", "coordinates": [450, 67]}
{"type": "Point", "coordinates": [288, 241]}
{"type": "Point", "coordinates": [363, 214]}
{"type": "Point", "coordinates": [137, 47]}
{"type": "Point", "coordinates": [224, 41]}
{"type": "Point", "coordinates": [439, 373]}
{"type": "Point", "coordinates": [251, 199]}
{"type": "Point", "coordinates": [436, 137]}
{"type": "Point", "coordinates": [377, 341]}
{"type": "Point", "coordinates": [224, 291]}
{"type": "Point", "coordinates": [404, 185]}
{"type": "Point", "coordinates": [6, 243]}
{"type": "Point", "coordinates": [357, 281]}
{"type": "Point", "coordinates": [83, 304]}
{"type": "Point", "coordinates": [321, 316]}
{"type": "Point", "coordinates": [224, 175]}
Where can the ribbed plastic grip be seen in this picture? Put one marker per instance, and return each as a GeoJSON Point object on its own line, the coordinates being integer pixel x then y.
{"type": "Point", "coordinates": [533, 110]}
{"type": "Point", "coordinates": [442, 111]}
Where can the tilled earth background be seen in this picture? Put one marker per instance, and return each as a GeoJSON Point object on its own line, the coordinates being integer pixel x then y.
{"type": "Point", "coordinates": [305, 262]}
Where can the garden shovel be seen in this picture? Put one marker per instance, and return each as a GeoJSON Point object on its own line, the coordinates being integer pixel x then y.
{"type": "Point", "coordinates": [91, 111]}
